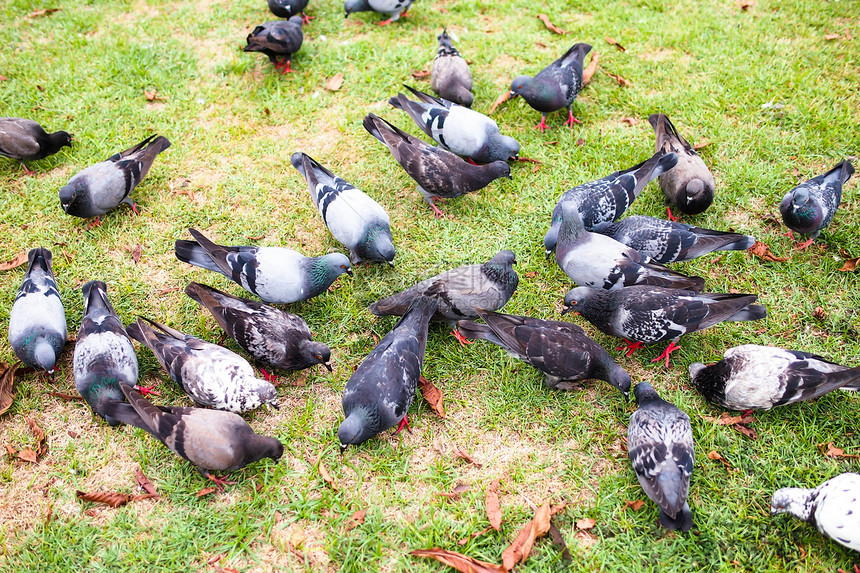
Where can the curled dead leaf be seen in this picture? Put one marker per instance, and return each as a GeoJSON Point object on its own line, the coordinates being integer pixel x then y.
{"type": "Point", "coordinates": [850, 265]}
{"type": "Point", "coordinates": [529, 160]}
{"type": "Point", "coordinates": [458, 561]}
{"type": "Point", "coordinates": [420, 74]}
{"type": "Point", "coordinates": [589, 70]}
{"type": "Point", "coordinates": [834, 452]}
{"type": "Point", "coordinates": [519, 550]}
{"type": "Point", "coordinates": [460, 453]}
{"type": "Point", "coordinates": [65, 396]}
{"type": "Point", "coordinates": [458, 490]}
{"type": "Point", "coordinates": [833, 36]}
{"type": "Point", "coordinates": [7, 386]}
{"type": "Point", "coordinates": [558, 541]}
{"type": "Point", "coordinates": [612, 42]}
{"type": "Point", "coordinates": [150, 95]}
{"type": "Point", "coordinates": [631, 121]}
{"type": "Point", "coordinates": [619, 80]}
{"type": "Point", "coordinates": [503, 97]}
{"type": "Point", "coordinates": [355, 519]}
{"type": "Point", "coordinates": [585, 523]}
{"type": "Point", "coordinates": [43, 12]}
{"type": "Point", "coordinates": [713, 455]}
{"type": "Point", "coordinates": [326, 476]}
{"type": "Point", "coordinates": [335, 82]}
{"type": "Point", "coordinates": [550, 26]}
{"type": "Point", "coordinates": [702, 144]}
{"type": "Point", "coordinates": [17, 261]}
{"type": "Point", "coordinates": [494, 508]}
{"type": "Point", "coordinates": [206, 491]}
{"type": "Point", "coordinates": [41, 438]}
{"type": "Point", "coordinates": [256, 237]}
{"type": "Point", "coordinates": [144, 483]}
{"type": "Point", "coordinates": [111, 498]}
{"type": "Point", "coordinates": [466, 540]}
{"type": "Point", "coordinates": [27, 455]}
{"type": "Point", "coordinates": [635, 504]}
{"type": "Point", "coordinates": [762, 251]}
{"type": "Point", "coordinates": [432, 395]}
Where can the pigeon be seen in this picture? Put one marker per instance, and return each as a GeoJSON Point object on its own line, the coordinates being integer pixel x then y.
{"type": "Point", "coordinates": [439, 173]}
{"type": "Point", "coordinates": [26, 140]}
{"type": "Point", "coordinates": [649, 315]}
{"type": "Point", "coordinates": [555, 87]}
{"type": "Point", "coordinates": [211, 375]}
{"type": "Point", "coordinates": [394, 8]}
{"type": "Point", "coordinates": [810, 207]}
{"type": "Point", "coordinates": [271, 335]}
{"type": "Point", "coordinates": [104, 358]}
{"type": "Point", "coordinates": [275, 274]}
{"type": "Point", "coordinates": [37, 321]}
{"type": "Point", "coordinates": [833, 507]}
{"type": "Point", "coordinates": [689, 187]}
{"type": "Point", "coordinates": [289, 8]}
{"type": "Point", "coordinates": [378, 394]}
{"type": "Point", "coordinates": [595, 260]}
{"type": "Point", "coordinates": [753, 377]}
{"type": "Point", "coordinates": [99, 188]}
{"type": "Point", "coordinates": [459, 291]}
{"type": "Point", "coordinates": [354, 219]}
{"type": "Point", "coordinates": [278, 39]}
{"type": "Point", "coordinates": [670, 242]}
{"type": "Point", "coordinates": [450, 76]}
{"type": "Point", "coordinates": [660, 446]}
{"type": "Point", "coordinates": [560, 350]}
{"type": "Point", "coordinates": [605, 200]}
{"type": "Point", "coordinates": [212, 440]}
{"type": "Point", "coordinates": [458, 129]}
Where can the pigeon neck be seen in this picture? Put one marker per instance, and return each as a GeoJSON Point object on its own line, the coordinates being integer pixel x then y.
{"type": "Point", "coordinates": [260, 447]}
{"type": "Point", "coordinates": [797, 501]}
{"type": "Point", "coordinates": [571, 228]}
{"type": "Point", "coordinates": [59, 139]}
{"type": "Point", "coordinates": [711, 381]}
{"type": "Point", "coordinates": [321, 274]}
{"type": "Point", "coordinates": [503, 274]}
{"type": "Point", "coordinates": [361, 425]}
{"type": "Point", "coordinates": [45, 356]}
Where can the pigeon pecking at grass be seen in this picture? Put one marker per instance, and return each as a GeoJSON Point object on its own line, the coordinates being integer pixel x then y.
{"type": "Point", "coordinates": [279, 40]}
{"type": "Point", "coordinates": [394, 8]}
{"type": "Point", "coordinates": [450, 76]}
{"type": "Point", "coordinates": [289, 8]}
{"type": "Point", "coordinates": [26, 140]}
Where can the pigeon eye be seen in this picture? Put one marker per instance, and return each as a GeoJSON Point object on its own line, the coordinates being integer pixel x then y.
{"type": "Point", "coordinates": [573, 303]}
{"type": "Point", "coordinates": [319, 356]}
{"type": "Point", "coordinates": [343, 266]}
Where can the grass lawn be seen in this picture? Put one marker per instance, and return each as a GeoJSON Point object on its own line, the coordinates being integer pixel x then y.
{"type": "Point", "coordinates": [758, 79]}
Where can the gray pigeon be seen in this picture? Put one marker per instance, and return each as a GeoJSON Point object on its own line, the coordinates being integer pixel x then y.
{"type": "Point", "coordinates": [211, 375]}
{"type": "Point", "coordinates": [275, 274]}
{"type": "Point", "coordinates": [810, 207]}
{"type": "Point", "coordinates": [660, 446]}
{"type": "Point", "coordinates": [649, 315]}
{"type": "Point", "coordinates": [272, 336]}
{"type": "Point", "coordinates": [101, 187]}
{"type": "Point", "coordinates": [595, 260]}
{"type": "Point", "coordinates": [605, 200]}
{"type": "Point", "coordinates": [669, 242]}
{"type": "Point", "coordinates": [394, 8]}
{"type": "Point", "coordinates": [560, 350]}
{"type": "Point", "coordinates": [289, 8]}
{"type": "Point", "coordinates": [356, 220]}
{"type": "Point", "coordinates": [210, 439]}
{"type": "Point", "coordinates": [689, 187]}
{"type": "Point", "coordinates": [104, 358]}
{"type": "Point", "coordinates": [37, 321]}
{"type": "Point", "coordinates": [379, 393]}
{"type": "Point", "coordinates": [439, 173]}
{"type": "Point", "coordinates": [26, 140]}
{"type": "Point", "coordinates": [450, 76]}
{"type": "Point", "coordinates": [753, 377]}
{"type": "Point", "coordinates": [555, 87]}
{"type": "Point", "coordinates": [833, 507]}
{"type": "Point", "coordinates": [458, 129]}
{"type": "Point", "coordinates": [278, 39]}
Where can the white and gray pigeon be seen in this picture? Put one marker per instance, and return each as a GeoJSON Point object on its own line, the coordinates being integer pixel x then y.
{"type": "Point", "coordinates": [354, 219]}
{"type": "Point", "coordinates": [26, 140]}
{"type": "Point", "coordinates": [278, 39]}
{"type": "Point", "coordinates": [556, 86]}
{"type": "Point", "coordinates": [275, 274]}
{"type": "Point", "coordinates": [650, 315]}
{"type": "Point", "coordinates": [811, 206]}
{"type": "Point", "coordinates": [689, 187]}
{"type": "Point", "coordinates": [378, 394]}
{"type": "Point", "coordinates": [833, 507]}
{"type": "Point", "coordinates": [561, 350]}
{"type": "Point", "coordinates": [272, 336]}
{"type": "Point", "coordinates": [37, 321]}
{"type": "Point", "coordinates": [100, 188]}
{"type": "Point", "coordinates": [394, 8]}
{"type": "Point", "coordinates": [660, 446]}
{"type": "Point", "coordinates": [595, 260]}
{"type": "Point", "coordinates": [458, 129]}
{"type": "Point", "coordinates": [669, 242]}
{"type": "Point", "coordinates": [450, 76]}
{"type": "Point", "coordinates": [605, 200]}
{"type": "Point", "coordinates": [753, 377]}
{"type": "Point", "coordinates": [289, 8]}
{"type": "Point", "coordinates": [211, 375]}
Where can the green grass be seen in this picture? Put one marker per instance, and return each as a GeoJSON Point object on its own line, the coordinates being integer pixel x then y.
{"type": "Point", "coordinates": [233, 122]}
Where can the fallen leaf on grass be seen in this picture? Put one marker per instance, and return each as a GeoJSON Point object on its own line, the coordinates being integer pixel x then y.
{"type": "Point", "coordinates": [529, 160]}
{"type": "Point", "coordinates": [503, 97]}
{"type": "Point", "coordinates": [462, 454]}
{"type": "Point", "coordinates": [3, 78]}
{"type": "Point", "coordinates": [41, 438]}
{"type": "Point", "coordinates": [631, 121]}
{"type": "Point", "coordinates": [466, 540]}
{"type": "Point", "coordinates": [850, 265]}
{"type": "Point", "coordinates": [585, 523]}
{"type": "Point", "coordinates": [326, 476]}
{"type": "Point", "coordinates": [19, 260]}
{"type": "Point", "coordinates": [635, 504]}
{"type": "Point", "coordinates": [458, 561]}
{"type": "Point", "coordinates": [619, 80]}
{"type": "Point", "coordinates": [745, 4]}
{"type": "Point", "coordinates": [550, 26]}
{"type": "Point", "coordinates": [420, 74]}
{"type": "Point", "coordinates": [136, 252]}
{"type": "Point", "coordinates": [832, 36]}
{"type": "Point", "coordinates": [702, 144]}
{"type": "Point", "coordinates": [256, 237]}
{"type": "Point", "coordinates": [206, 491]}
{"type": "Point", "coordinates": [27, 455]}
{"type": "Point", "coordinates": [167, 290]}
{"type": "Point", "coordinates": [356, 519]}
{"type": "Point", "coordinates": [713, 455]}
{"type": "Point", "coordinates": [335, 82]}
{"type": "Point", "coordinates": [588, 72]}
{"type": "Point", "coordinates": [819, 313]}
{"type": "Point", "coordinates": [494, 508]}
{"type": "Point", "coordinates": [519, 550]}
{"type": "Point", "coordinates": [762, 251]}
{"type": "Point", "coordinates": [145, 484]}
{"type": "Point", "coordinates": [458, 490]}
{"type": "Point", "coordinates": [7, 383]}
{"type": "Point", "coordinates": [151, 95]}
{"type": "Point", "coordinates": [834, 452]}
{"type": "Point", "coordinates": [615, 43]}
{"type": "Point", "coordinates": [432, 395]}
{"type": "Point", "coordinates": [111, 498]}
{"type": "Point", "coordinates": [65, 396]}
{"type": "Point", "coordinates": [43, 12]}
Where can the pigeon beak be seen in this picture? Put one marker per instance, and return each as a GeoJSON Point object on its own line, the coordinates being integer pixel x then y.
{"type": "Point", "coordinates": [349, 272]}
{"type": "Point", "coordinates": [568, 310]}
{"type": "Point", "coordinates": [328, 365]}
{"type": "Point", "coordinates": [548, 254]}
{"type": "Point", "coordinates": [391, 263]}
{"type": "Point", "coordinates": [342, 448]}
{"type": "Point", "coordinates": [345, 16]}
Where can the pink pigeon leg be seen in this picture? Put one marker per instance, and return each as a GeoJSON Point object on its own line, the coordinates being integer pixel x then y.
{"type": "Point", "coordinates": [571, 120]}
{"type": "Point", "coordinates": [148, 390]}
{"type": "Point", "coordinates": [219, 482]}
{"type": "Point", "coordinates": [630, 347]}
{"type": "Point", "coordinates": [267, 376]}
{"type": "Point", "coordinates": [460, 338]}
{"type": "Point", "coordinates": [669, 350]}
{"type": "Point", "coordinates": [404, 423]}
{"type": "Point", "coordinates": [670, 216]}
{"type": "Point", "coordinates": [542, 125]}
{"type": "Point", "coordinates": [802, 246]}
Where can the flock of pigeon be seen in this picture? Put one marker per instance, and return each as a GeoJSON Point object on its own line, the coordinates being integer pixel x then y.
{"type": "Point", "coordinates": [624, 289]}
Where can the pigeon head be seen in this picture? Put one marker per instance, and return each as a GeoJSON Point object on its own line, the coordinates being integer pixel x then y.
{"type": "Point", "coordinates": [45, 356]}
{"type": "Point", "coordinates": [619, 378]}
{"type": "Point", "coordinates": [800, 213]}
{"type": "Point", "coordinates": [698, 197]}
{"type": "Point", "coordinates": [444, 39]}
{"type": "Point", "coordinates": [60, 139]}
{"type": "Point", "coordinates": [353, 6]}
{"type": "Point", "coordinates": [325, 269]}
{"type": "Point", "coordinates": [498, 169]}
{"type": "Point", "coordinates": [296, 20]}
{"type": "Point", "coordinates": [793, 500]}
{"type": "Point", "coordinates": [504, 148]}
{"type": "Point", "coordinates": [503, 259]}
{"type": "Point", "coordinates": [571, 227]}
{"type": "Point", "coordinates": [315, 352]}
{"type": "Point", "coordinates": [576, 296]}
{"type": "Point", "coordinates": [644, 393]}
{"type": "Point", "coordinates": [519, 85]}
{"type": "Point", "coordinates": [356, 428]}
{"type": "Point", "coordinates": [70, 192]}
{"type": "Point", "coordinates": [260, 447]}
{"type": "Point", "coordinates": [378, 245]}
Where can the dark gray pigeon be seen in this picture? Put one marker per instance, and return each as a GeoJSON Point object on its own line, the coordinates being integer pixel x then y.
{"type": "Point", "coordinates": [272, 336]}
{"type": "Point", "coordinates": [605, 200]}
{"type": "Point", "coordinates": [275, 274]}
{"type": "Point", "coordinates": [810, 207]}
{"type": "Point", "coordinates": [394, 8]}
{"type": "Point", "coordinates": [212, 440]}
{"type": "Point", "coordinates": [354, 219]}
{"type": "Point", "coordinates": [99, 188]}
{"type": "Point", "coordinates": [26, 140]}
{"type": "Point", "coordinates": [689, 187]}
{"type": "Point", "coordinates": [379, 393]}
{"type": "Point", "coordinates": [278, 39]}
{"type": "Point", "coordinates": [289, 8]}
{"type": "Point", "coordinates": [211, 375]}
{"type": "Point", "coordinates": [595, 260]}
{"type": "Point", "coordinates": [450, 76]}
{"type": "Point", "coordinates": [753, 377]}
{"type": "Point", "coordinates": [670, 242]}
{"type": "Point", "coordinates": [555, 87]}
{"type": "Point", "coordinates": [660, 446]}
{"type": "Point", "coordinates": [37, 321]}
{"type": "Point", "coordinates": [649, 315]}
{"type": "Point", "coordinates": [833, 508]}
{"type": "Point", "coordinates": [458, 129]}
{"type": "Point", "coordinates": [560, 350]}
{"type": "Point", "coordinates": [439, 173]}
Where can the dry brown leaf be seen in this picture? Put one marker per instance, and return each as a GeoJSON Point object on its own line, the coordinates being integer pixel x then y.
{"type": "Point", "coordinates": [326, 476]}
{"type": "Point", "coordinates": [462, 454]}
{"type": "Point", "coordinates": [432, 395]}
{"type": "Point", "coordinates": [335, 82]}
{"type": "Point", "coordinates": [3, 78]}
{"type": "Point", "coordinates": [503, 97]}
{"type": "Point", "coordinates": [834, 452]}
{"type": "Point", "coordinates": [702, 144]}
{"type": "Point", "coordinates": [619, 80]}
{"type": "Point", "coordinates": [458, 561]}
{"type": "Point", "coordinates": [41, 438]}
{"type": "Point", "coordinates": [111, 498]}
{"type": "Point", "coordinates": [529, 160]}
{"type": "Point", "coordinates": [550, 26]}
{"type": "Point", "coordinates": [150, 95]}
{"type": "Point", "coordinates": [356, 519]}
{"type": "Point", "coordinates": [65, 396]}
{"type": "Point", "coordinates": [762, 251]}
{"type": "Point", "coordinates": [585, 523]}
{"type": "Point", "coordinates": [631, 121]}
{"type": "Point", "coordinates": [43, 12]}
{"type": "Point", "coordinates": [420, 74]}
{"type": "Point", "coordinates": [713, 455]}
{"type": "Point", "coordinates": [745, 5]}
{"type": "Point", "coordinates": [19, 260]}
{"type": "Point", "coordinates": [7, 384]}
{"type": "Point", "coordinates": [615, 43]}
{"type": "Point", "coordinates": [819, 313]}
{"type": "Point", "coordinates": [833, 36]}
{"type": "Point", "coordinates": [136, 252]}
{"type": "Point", "coordinates": [206, 491]}
{"type": "Point", "coordinates": [850, 265]}
{"type": "Point", "coordinates": [458, 490]}
{"type": "Point", "coordinates": [635, 504]}
{"type": "Point", "coordinates": [466, 540]}
{"type": "Point", "coordinates": [27, 455]}
{"type": "Point", "coordinates": [519, 550]}
{"type": "Point", "coordinates": [589, 70]}
{"type": "Point", "coordinates": [145, 484]}
{"type": "Point", "coordinates": [256, 237]}
{"type": "Point", "coordinates": [746, 431]}
{"type": "Point", "coordinates": [215, 559]}
{"type": "Point", "coordinates": [167, 290]}
{"type": "Point", "coordinates": [494, 508]}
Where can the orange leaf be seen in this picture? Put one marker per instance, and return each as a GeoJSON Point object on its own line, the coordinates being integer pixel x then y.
{"type": "Point", "coordinates": [590, 69]}
{"type": "Point", "coordinates": [702, 144]}
{"type": "Point", "coordinates": [850, 265]}
{"type": "Point", "coordinates": [462, 454]}
{"type": "Point", "coordinates": [531, 274]}
{"type": "Point", "coordinates": [832, 452]}
{"type": "Point", "coordinates": [832, 36]}
{"type": "Point", "coordinates": [27, 455]}
{"type": "Point", "coordinates": [432, 395]}
{"type": "Point", "coordinates": [7, 383]}
{"type": "Point", "coordinates": [550, 26]}
{"type": "Point", "coordinates": [110, 498]}
{"type": "Point", "coordinates": [420, 74]}
{"type": "Point", "coordinates": [41, 438]}
{"type": "Point", "coordinates": [585, 523]}
{"type": "Point", "coordinates": [466, 540]}
{"type": "Point", "coordinates": [456, 492]}
{"type": "Point", "coordinates": [503, 97]}
{"type": "Point", "coordinates": [43, 12]}
{"type": "Point", "coordinates": [619, 80]}
{"type": "Point", "coordinates": [635, 504]}
{"type": "Point", "coordinates": [519, 550]}
{"type": "Point", "coordinates": [762, 251]}
{"type": "Point", "coordinates": [150, 95]}
{"type": "Point", "coordinates": [614, 43]}
{"type": "Point", "coordinates": [494, 508]}
{"type": "Point", "coordinates": [356, 519]}
{"type": "Point", "coordinates": [631, 121]}
{"type": "Point", "coordinates": [458, 561]}
{"type": "Point", "coordinates": [325, 475]}
{"type": "Point", "coordinates": [144, 483]}
{"type": "Point", "coordinates": [19, 260]}
{"type": "Point", "coordinates": [136, 252]}
{"type": "Point", "coordinates": [713, 455]}
{"type": "Point", "coordinates": [206, 491]}
{"type": "Point", "coordinates": [335, 82]}
{"type": "Point", "coordinates": [66, 396]}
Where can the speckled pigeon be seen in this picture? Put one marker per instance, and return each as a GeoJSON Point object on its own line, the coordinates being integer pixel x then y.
{"type": "Point", "coordinates": [810, 207]}
{"type": "Point", "coordinates": [289, 8]}
{"type": "Point", "coordinates": [450, 76]}
{"type": "Point", "coordinates": [279, 40]}
{"type": "Point", "coordinates": [394, 8]}
{"type": "Point", "coordinates": [26, 140]}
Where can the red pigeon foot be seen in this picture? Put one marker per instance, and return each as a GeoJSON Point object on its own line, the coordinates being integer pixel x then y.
{"type": "Point", "coordinates": [669, 350]}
